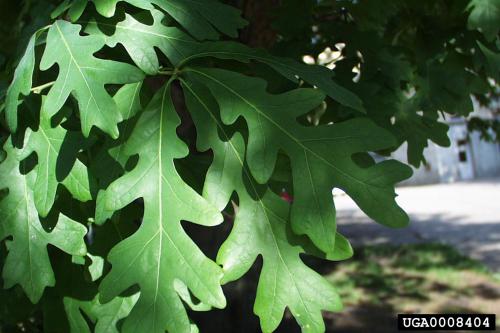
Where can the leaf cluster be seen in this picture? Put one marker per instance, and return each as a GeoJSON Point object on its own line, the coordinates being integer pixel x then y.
{"type": "Point", "coordinates": [419, 62]}
{"type": "Point", "coordinates": [131, 119]}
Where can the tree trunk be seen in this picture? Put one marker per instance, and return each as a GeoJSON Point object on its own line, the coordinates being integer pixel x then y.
{"type": "Point", "coordinates": [259, 14]}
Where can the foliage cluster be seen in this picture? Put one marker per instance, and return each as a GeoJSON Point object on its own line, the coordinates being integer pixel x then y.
{"type": "Point", "coordinates": [129, 120]}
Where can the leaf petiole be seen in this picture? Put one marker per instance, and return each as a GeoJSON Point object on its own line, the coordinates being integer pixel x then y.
{"type": "Point", "coordinates": [169, 71]}
{"type": "Point", "coordinates": [39, 89]}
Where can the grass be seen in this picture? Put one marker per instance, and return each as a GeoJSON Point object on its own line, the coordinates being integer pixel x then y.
{"type": "Point", "coordinates": [383, 280]}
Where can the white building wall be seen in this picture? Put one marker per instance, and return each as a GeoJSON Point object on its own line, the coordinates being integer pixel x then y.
{"type": "Point", "coordinates": [468, 157]}
{"type": "Point", "coordinates": [427, 174]}
{"type": "Point", "coordinates": [486, 157]}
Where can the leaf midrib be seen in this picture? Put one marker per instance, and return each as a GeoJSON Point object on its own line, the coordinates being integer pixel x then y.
{"type": "Point", "coordinates": [28, 222]}
{"type": "Point", "coordinates": [261, 203]}
{"type": "Point", "coordinates": [161, 231]}
{"type": "Point", "coordinates": [81, 73]}
{"type": "Point", "coordinates": [279, 127]}
{"type": "Point", "coordinates": [172, 190]}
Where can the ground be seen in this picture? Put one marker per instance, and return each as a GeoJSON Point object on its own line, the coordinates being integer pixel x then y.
{"type": "Point", "coordinates": [465, 215]}
{"type": "Point", "coordinates": [384, 280]}
{"type": "Point", "coordinates": [446, 261]}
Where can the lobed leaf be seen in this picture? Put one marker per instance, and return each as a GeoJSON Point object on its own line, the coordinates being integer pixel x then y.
{"type": "Point", "coordinates": [56, 165]}
{"type": "Point", "coordinates": [201, 18]}
{"type": "Point", "coordinates": [321, 157]}
{"type": "Point", "coordinates": [417, 130]}
{"type": "Point", "coordinates": [84, 76]}
{"type": "Point", "coordinates": [105, 316]}
{"type": "Point", "coordinates": [261, 227]}
{"type": "Point", "coordinates": [111, 158]}
{"type": "Point", "coordinates": [492, 64]}
{"type": "Point", "coordinates": [140, 41]}
{"type": "Point", "coordinates": [485, 16]}
{"type": "Point", "coordinates": [74, 303]}
{"type": "Point", "coordinates": [27, 262]}
{"type": "Point", "coordinates": [160, 255]}
{"type": "Point", "coordinates": [21, 84]}
{"type": "Point", "coordinates": [318, 76]}
{"type": "Point", "coordinates": [160, 259]}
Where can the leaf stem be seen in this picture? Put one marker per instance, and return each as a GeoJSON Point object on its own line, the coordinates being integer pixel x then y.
{"type": "Point", "coordinates": [168, 71]}
{"type": "Point", "coordinates": [44, 28]}
{"type": "Point", "coordinates": [38, 90]}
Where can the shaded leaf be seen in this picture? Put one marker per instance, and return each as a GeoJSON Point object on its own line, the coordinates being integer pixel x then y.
{"type": "Point", "coordinates": [417, 130]}
{"type": "Point", "coordinates": [27, 262]}
{"type": "Point", "coordinates": [319, 76]}
{"type": "Point", "coordinates": [320, 156]}
{"type": "Point", "coordinates": [74, 303]}
{"type": "Point", "coordinates": [111, 158]}
{"type": "Point", "coordinates": [201, 18]}
{"type": "Point", "coordinates": [140, 40]}
{"type": "Point", "coordinates": [84, 75]}
{"type": "Point", "coordinates": [105, 316]}
{"type": "Point", "coordinates": [492, 61]}
{"type": "Point", "coordinates": [485, 16]}
{"type": "Point", "coordinates": [21, 84]}
{"type": "Point", "coordinates": [55, 165]}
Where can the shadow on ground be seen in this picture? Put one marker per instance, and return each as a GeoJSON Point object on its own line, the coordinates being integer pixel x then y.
{"type": "Point", "coordinates": [377, 284]}
{"type": "Point", "coordinates": [478, 240]}
{"type": "Point", "coordinates": [384, 280]}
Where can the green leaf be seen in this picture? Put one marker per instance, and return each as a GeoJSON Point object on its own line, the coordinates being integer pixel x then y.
{"type": "Point", "coordinates": [201, 18]}
{"type": "Point", "coordinates": [111, 158]}
{"type": "Point", "coordinates": [27, 262]}
{"type": "Point", "coordinates": [160, 252]}
{"type": "Point", "coordinates": [77, 9]}
{"type": "Point", "coordinates": [285, 281]}
{"type": "Point", "coordinates": [318, 76]}
{"type": "Point", "coordinates": [23, 80]}
{"type": "Point", "coordinates": [140, 41]}
{"type": "Point", "coordinates": [96, 268]}
{"type": "Point", "coordinates": [485, 16]}
{"type": "Point", "coordinates": [492, 61]}
{"type": "Point", "coordinates": [56, 165]}
{"type": "Point", "coordinates": [105, 316]}
{"type": "Point", "coordinates": [261, 228]}
{"type": "Point", "coordinates": [128, 101]}
{"type": "Point", "coordinates": [343, 249]}
{"type": "Point", "coordinates": [74, 303]}
{"type": "Point", "coordinates": [61, 8]}
{"type": "Point", "coordinates": [320, 156]}
{"type": "Point", "coordinates": [417, 130]}
{"type": "Point", "coordinates": [445, 87]}
{"type": "Point", "coordinates": [15, 306]}
{"type": "Point", "coordinates": [84, 76]}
